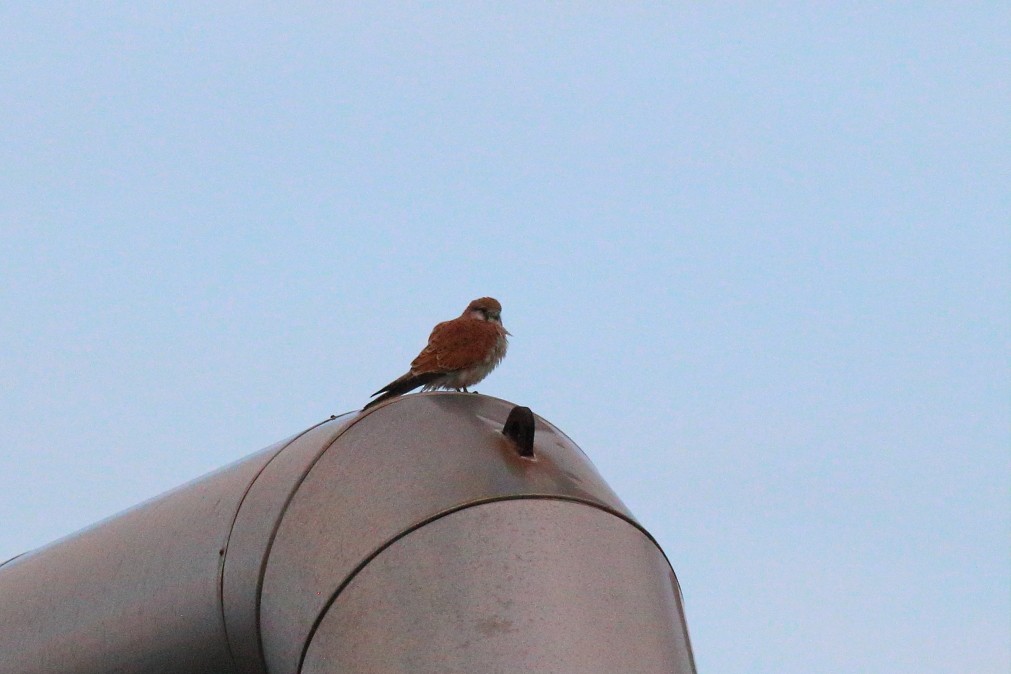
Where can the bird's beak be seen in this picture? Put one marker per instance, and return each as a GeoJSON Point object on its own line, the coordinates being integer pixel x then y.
{"type": "Point", "coordinates": [507, 332]}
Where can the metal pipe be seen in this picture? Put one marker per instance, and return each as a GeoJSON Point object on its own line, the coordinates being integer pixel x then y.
{"type": "Point", "coordinates": [415, 537]}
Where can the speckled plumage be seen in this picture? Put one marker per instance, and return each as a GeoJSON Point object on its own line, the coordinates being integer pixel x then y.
{"type": "Point", "coordinates": [459, 354]}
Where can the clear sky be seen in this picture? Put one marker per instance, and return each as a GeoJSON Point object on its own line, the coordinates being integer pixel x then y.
{"type": "Point", "coordinates": [756, 258]}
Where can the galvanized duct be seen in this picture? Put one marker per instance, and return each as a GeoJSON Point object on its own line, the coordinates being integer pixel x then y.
{"type": "Point", "coordinates": [416, 537]}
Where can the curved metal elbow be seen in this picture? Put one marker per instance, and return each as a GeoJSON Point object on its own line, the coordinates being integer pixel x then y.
{"type": "Point", "coordinates": [415, 537]}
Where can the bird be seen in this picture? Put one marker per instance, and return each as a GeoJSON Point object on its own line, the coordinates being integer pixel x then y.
{"type": "Point", "coordinates": [460, 353]}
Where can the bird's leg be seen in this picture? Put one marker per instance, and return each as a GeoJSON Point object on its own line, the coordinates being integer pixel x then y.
{"type": "Point", "coordinates": [464, 389]}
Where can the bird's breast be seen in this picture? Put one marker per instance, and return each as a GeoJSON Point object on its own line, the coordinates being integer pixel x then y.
{"type": "Point", "coordinates": [469, 376]}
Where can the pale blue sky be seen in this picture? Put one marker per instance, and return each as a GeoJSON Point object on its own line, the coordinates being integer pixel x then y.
{"type": "Point", "coordinates": [756, 258]}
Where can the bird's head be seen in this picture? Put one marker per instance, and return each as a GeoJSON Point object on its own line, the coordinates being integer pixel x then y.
{"type": "Point", "coordinates": [485, 309]}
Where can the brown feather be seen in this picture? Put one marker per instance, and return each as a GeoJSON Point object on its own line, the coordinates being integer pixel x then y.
{"type": "Point", "coordinates": [459, 353]}
{"type": "Point", "coordinates": [456, 345]}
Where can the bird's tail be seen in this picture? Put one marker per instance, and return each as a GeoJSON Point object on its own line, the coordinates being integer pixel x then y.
{"type": "Point", "coordinates": [402, 385]}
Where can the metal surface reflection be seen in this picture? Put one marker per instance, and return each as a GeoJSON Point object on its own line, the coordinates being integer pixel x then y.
{"type": "Point", "coordinates": [529, 585]}
{"type": "Point", "coordinates": [415, 537]}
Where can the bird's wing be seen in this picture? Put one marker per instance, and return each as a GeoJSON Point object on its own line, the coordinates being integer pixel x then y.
{"type": "Point", "coordinates": [455, 345]}
{"type": "Point", "coordinates": [401, 385]}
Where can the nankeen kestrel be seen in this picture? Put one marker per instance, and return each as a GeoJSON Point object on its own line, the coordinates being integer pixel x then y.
{"type": "Point", "coordinates": [460, 352]}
